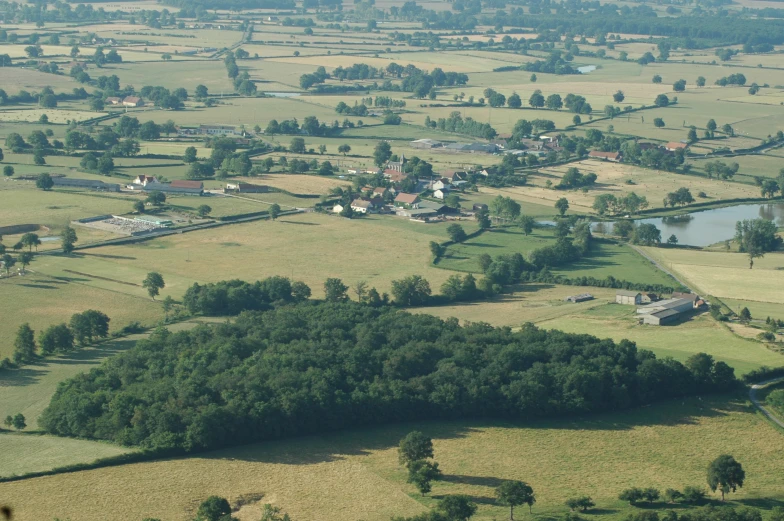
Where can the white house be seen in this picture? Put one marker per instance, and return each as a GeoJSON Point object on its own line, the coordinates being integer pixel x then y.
{"type": "Point", "coordinates": [439, 194]}
{"type": "Point", "coordinates": [337, 208]}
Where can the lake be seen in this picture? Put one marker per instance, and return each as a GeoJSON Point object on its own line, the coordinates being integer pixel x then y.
{"type": "Point", "coordinates": [709, 226]}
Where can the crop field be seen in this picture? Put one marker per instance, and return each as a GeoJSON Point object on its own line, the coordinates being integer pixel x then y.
{"type": "Point", "coordinates": [727, 274]}
{"type": "Point", "coordinates": [612, 178]}
{"type": "Point", "coordinates": [355, 474]}
{"type": "Point", "coordinates": [16, 79]}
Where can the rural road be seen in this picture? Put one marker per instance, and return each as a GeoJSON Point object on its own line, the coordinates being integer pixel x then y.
{"type": "Point", "coordinates": [758, 405]}
{"type": "Point", "coordinates": [658, 265]}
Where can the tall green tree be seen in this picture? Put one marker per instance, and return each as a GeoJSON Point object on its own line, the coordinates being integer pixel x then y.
{"type": "Point", "coordinates": [382, 153]}
{"type": "Point", "coordinates": [274, 211]}
{"type": "Point", "coordinates": [562, 205]}
{"type": "Point", "coordinates": [56, 339]}
{"type": "Point", "coordinates": [411, 291]}
{"type": "Point", "coordinates": [422, 473]}
{"type": "Point", "coordinates": [515, 493]}
{"type": "Point", "coordinates": [30, 240]}
{"type": "Point", "coordinates": [153, 283]}
{"type": "Point", "coordinates": [19, 421]}
{"type": "Point", "coordinates": [68, 238]}
{"type": "Point", "coordinates": [414, 446]}
{"type": "Point", "coordinates": [44, 181]}
{"type": "Point", "coordinates": [457, 507]}
{"type": "Point", "coordinates": [725, 474]}
{"type": "Point", "coordinates": [335, 290]}
{"type": "Point", "coordinates": [24, 344]}
{"type": "Point", "coordinates": [214, 508]}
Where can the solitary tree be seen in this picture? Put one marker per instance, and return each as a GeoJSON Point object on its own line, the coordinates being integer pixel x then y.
{"type": "Point", "coordinates": [138, 206]}
{"type": "Point", "coordinates": [526, 222]}
{"type": "Point", "coordinates": [214, 508]}
{"type": "Point", "coordinates": [562, 205]}
{"type": "Point", "coordinates": [414, 446]}
{"type": "Point", "coordinates": [203, 210]}
{"type": "Point", "coordinates": [457, 508]}
{"type": "Point", "coordinates": [619, 96]}
{"type": "Point", "coordinates": [190, 155]}
{"type": "Point", "coordinates": [44, 181]}
{"type": "Point", "coordinates": [274, 211]}
{"type": "Point", "coordinates": [725, 474]}
{"type": "Point", "coordinates": [382, 153]}
{"type": "Point", "coordinates": [344, 149]}
{"type": "Point", "coordinates": [24, 344]}
{"type": "Point", "coordinates": [68, 238]}
{"type": "Point", "coordinates": [153, 283]}
{"type": "Point", "coordinates": [745, 315]}
{"type": "Point", "coordinates": [456, 232]}
{"type": "Point", "coordinates": [30, 240]}
{"type": "Point", "coordinates": [19, 422]}
{"type": "Point", "coordinates": [515, 493]}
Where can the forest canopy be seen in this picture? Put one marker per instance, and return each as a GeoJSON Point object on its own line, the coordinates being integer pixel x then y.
{"type": "Point", "coordinates": [312, 367]}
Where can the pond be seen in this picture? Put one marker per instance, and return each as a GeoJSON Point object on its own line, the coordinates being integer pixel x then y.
{"type": "Point", "coordinates": [709, 226]}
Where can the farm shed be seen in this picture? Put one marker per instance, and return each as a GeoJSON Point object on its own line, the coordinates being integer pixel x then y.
{"type": "Point", "coordinates": [661, 318]}
{"type": "Point", "coordinates": [582, 297]}
{"type": "Point", "coordinates": [678, 304]}
{"type": "Point", "coordinates": [69, 182]}
{"type": "Point", "coordinates": [633, 298]}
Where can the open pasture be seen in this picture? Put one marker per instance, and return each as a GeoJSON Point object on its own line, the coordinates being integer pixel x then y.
{"type": "Point", "coordinates": [355, 474]}
{"type": "Point", "coordinates": [301, 184]}
{"type": "Point", "coordinates": [697, 334]}
{"type": "Point", "coordinates": [43, 300]}
{"type": "Point", "coordinates": [727, 274]}
{"type": "Point", "coordinates": [307, 247]}
{"type": "Point", "coordinates": [612, 178]}
{"type": "Point", "coordinates": [16, 79]}
{"type": "Point", "coordinates": [185, 74]}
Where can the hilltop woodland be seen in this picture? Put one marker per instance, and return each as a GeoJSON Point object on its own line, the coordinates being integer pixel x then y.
{"type": "Point", "coordinates": [236, 383]}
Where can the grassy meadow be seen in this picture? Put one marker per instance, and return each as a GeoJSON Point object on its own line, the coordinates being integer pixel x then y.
{"type": "Point", "coordinates": [355, 474]}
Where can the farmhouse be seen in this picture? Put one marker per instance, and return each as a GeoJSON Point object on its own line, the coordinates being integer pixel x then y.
{"type": "Point", "coordinates": [132, 101]}
{"type": "Point", "coordinates": [623, 296]}
{"type": "Point", "coordinates": [217, 130]}
{"type": "Point", "coordinates": [672, 146]}
{"type": "Point", "coordinates": [606, 156]}
{"type": "Point", "coordinates": [113, 100]}
{"type": "Point", "coordinates": [425, 144]}
{"type": "Point", "coordinates": [69, 182]}
{"type": "Point", "coordinates": [404, 200]}
{"type": "Point", "coordinates": [453, 175]}
{"type": "Point", "coordinates": [247, 188]}
{"type": "Point", "coordinates": [361, 205]}
{"type": "Point", "coordinates": [142, 180]}
{"type": "Point", "coordinates": [582, 297]}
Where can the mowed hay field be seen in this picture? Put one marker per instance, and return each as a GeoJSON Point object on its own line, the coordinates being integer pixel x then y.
{"type": "Point", "coordinates": [727, 274]}
{"type": "Point", "coordinates": [697, 334]}
{"type": "Point", "coordinates": [301, 184]}
{"type": "Point", "coordinates": [308, 247]}
{"type": "Point", "coordinates": [356, 475]}
{"type": "Point", "coordinates": [21, 453]}
{"type": "Point", "coordinates": [612, 178]}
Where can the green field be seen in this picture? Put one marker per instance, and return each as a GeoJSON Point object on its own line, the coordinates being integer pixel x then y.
{"type": "Point", "coordinates": [605, 259]}
{"type": "Point", "coordinates": [355, 474]}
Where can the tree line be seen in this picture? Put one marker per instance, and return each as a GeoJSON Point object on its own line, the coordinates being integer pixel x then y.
{"type": "Point", "coordinates": [236, 383]}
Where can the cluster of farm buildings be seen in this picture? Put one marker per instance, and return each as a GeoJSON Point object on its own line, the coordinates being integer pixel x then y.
{"type": "Point", "coordinates": [651, 309]}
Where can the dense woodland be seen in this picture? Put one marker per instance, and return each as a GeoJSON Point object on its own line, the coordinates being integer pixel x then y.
{"type": "Point", "coordinates": [313, 367]}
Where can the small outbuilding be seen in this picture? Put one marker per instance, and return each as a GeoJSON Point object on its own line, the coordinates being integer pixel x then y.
{"type": "Point", "coordinates": [632, 298]}
{"type": "Point", "coordinates": [582, 297]}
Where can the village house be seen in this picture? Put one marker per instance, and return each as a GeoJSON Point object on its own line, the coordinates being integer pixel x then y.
{"type": "Point", "coordinates": [606, 156]}
{"type": "Point", "coordinates": [142, 180]}
{"type": "Point", "coordinates": [132, 101]}
{"type": "Point", "coordinates": [361, 205]}
{"type": "Point", "coordinates": [404, 200]}
{"type": "Point", "coordinates": [453, 175]}
{"type": "Point", "coordinates": [440, 194]}
{"type": "Point", "coordinates": [113, 100]}
{"type": "Point", "coordinates": [394, 175]}
{"type": "Point", "coordinates": [672, 146]}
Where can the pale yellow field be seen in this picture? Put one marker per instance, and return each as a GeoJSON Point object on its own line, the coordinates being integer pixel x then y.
{"type": "Point", "coordinates": [529, 303]}
{"type": "Point", "coordinates": [16, 79]}
{"type": "Point", "coordinates": [611, 178]}
{"type": "Point", "coordinates": [301, 184]}
{"type": "Point", "coordinates": [727, 274]}
{"type": "Point", "coordinates": [56, 116]}
{"type": "Point", "coordinates": [355, 474]}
